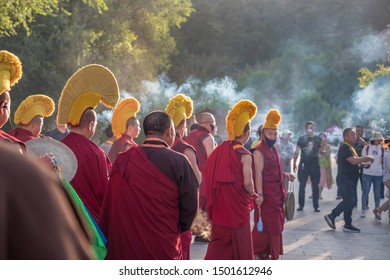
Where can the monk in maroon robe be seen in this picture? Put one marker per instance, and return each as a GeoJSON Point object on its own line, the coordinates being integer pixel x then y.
{"type": "Point", "coordinates": [151, 198]}
{"type": "Point", "coordinates": [230, 187]}
{"type": "Point", "coordinates": [269, 175]}
{"type": "Point", "coordinates": [229, 203]}
{"type": "Point", "coordinates": [127, 140]}
{"type": "Point", "coordinates": [91, 179]}
{"type": "Point", "coordinates": [203, 142]}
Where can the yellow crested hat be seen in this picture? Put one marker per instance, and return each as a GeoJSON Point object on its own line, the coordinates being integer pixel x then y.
{"type": "Point", "coordinates": [238, 117]}
{"type": "Point", "coordinates": [32, 106]}
{"type": "Point", "coordinates": [10, 70]}
{"type": "Point", "coordinates": [272, 119]}
{"type": "Point", "coordinates": [126, 109]}
{"type": "Point", "coordinates": [180, 107]}
{"type": "Point", "coordinates": [85, 89]}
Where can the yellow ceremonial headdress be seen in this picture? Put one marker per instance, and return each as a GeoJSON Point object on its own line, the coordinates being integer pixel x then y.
{"type": "Point", "coordinates": [10, 70]}
{"type": "Point", "coordinates": [32, 106]}
{"type": "Point", "coordinates": [179, 108]}
{"type": "Point", "coordinates": [238, 117]}
{"type": "Point", "coordinates": [126, 109]}
{"type": "Point", "coordinates": [272, 119]}
{"type": "Point", "coordinates": [85, 89]}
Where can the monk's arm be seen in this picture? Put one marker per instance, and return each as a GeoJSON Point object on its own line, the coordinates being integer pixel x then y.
{"type": "Point", "coordinates": [190, 154]}
{"type": "Point", "coordinates": [259, 165]}
{"type": "Point", "coordinates": [209, 144]}
{"type": "Point", "coordinates": [247, 172]}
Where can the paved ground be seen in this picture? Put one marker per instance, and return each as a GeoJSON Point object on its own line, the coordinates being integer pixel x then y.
{"type": "Point", "coordinates": [308, 236]}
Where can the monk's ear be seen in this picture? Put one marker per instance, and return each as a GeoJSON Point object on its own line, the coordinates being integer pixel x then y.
{"type": "Point", "coordinates": [91, 125]}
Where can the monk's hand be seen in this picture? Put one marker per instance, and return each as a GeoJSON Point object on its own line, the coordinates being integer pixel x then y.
{"type": "Point", "coordinates": [48, 160]}
{"type": "Point", "coordinates": [290, 177]}
{"type": "Point", "coordinates": [259, 201]}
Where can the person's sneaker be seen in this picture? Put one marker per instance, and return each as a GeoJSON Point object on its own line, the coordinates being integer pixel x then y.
{"type": "Point", "coordinates": [299, 208]}
{"type": "Point", "coordinates": [363, 214]}
{"type": "Point", "coordinates": [377, 214]}
{"type": "Point", "coordinates": [330, 221]}
{"type": "Point", "coordinates": [351, 228]}
{"type": "Point", "coordinates": [317, 209]}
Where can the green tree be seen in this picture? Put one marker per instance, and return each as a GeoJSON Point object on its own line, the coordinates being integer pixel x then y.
{"type": "Point", "coordinates": [15, 13]}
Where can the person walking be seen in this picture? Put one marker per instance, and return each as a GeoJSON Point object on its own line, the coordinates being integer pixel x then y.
{"type": "Point", "coordinates": [386, 181]}
{"type": "Point", "coordinates": [308, 146]}
{"type": "Point", "coordinates": [347, 178]}
{"type": "Point", "coordinates": [326, 179]}
{"type": "Point", "coordinates": [373, 173]}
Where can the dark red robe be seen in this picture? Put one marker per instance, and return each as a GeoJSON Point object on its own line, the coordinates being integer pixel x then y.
{"type": "Point", "coordinates": [22, 134]}
{"type": "Point", "coordinates": [143, 214]}
{"type": "Point", "coordinates": [195, 139]}
{"type": "Point", "coordinates": [91, 179]}
{"type": "Point", "coordinates": [228, 203]}
{"type": "Point", "coordinates": [269, 242]}
{"type": "Point", "coordinates": [186, 237]}
{"type": "Point", "coordinates": [11, 139]}
{"type": "Point", "coordinates": [120, 145]}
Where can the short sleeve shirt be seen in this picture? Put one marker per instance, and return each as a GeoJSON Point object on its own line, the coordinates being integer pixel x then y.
{"type": "Point", "coordinates": [345, 168]}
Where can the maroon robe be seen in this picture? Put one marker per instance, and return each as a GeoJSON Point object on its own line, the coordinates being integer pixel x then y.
{"type": "Point", "coordinates": [22, 134]}
{"type": "Point", "coordinates": [228, 203]}
{"type": "Point", "coordinates": [195, 139]}
{"type": "Point", "coordinates": [120, 145]}
{"type": "Point", "coordinates": [143, 215]}
{"type": "Point", "coordinates": [11, 139]}
{"type": "Point", "coordinates": [186, 237]}
{"type": "Point", "coordinates": [91, 179]}
{"type": "Point", "coordinates": [269, 241]}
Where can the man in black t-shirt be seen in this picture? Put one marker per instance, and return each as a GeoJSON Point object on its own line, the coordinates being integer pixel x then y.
{"type": "Point", "coordinates": [347, 178]}
{"type": "Point", "coordinates": [309, 147]}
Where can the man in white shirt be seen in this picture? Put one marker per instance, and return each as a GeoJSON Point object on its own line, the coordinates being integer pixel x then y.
{"type": "Point", "coordinates": [373, 173]}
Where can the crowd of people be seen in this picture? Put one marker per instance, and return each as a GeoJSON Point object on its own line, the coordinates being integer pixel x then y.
{"type": "Point", "coordinates": [141, 201]}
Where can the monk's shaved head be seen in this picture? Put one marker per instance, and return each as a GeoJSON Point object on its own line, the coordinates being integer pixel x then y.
{"type": "Point", "coordinates": [88, 116]}
{"type": "Point", "coordinates": [206, 117]}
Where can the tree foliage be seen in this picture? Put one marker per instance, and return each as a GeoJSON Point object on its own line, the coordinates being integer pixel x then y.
{"type": "Point", "coordinates": [15, 13]}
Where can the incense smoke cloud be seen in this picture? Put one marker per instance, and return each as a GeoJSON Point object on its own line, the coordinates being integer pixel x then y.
{"type": "Point", "coordinates": [371, 106]}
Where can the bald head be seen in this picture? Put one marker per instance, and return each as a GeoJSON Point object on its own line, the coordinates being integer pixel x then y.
{"type": "Point", "coordinates": [87, 125]}
{"type": "Point", "coordinates": [88, 116]}
{"type": "Point", "coordinates": [206, 117]}
{"type": "Point", "coordinates": [207, 121]}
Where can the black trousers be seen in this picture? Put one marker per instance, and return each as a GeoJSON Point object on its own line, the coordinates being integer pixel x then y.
{"type": "Point", "coordinates": [347, 187]}
{"type": "Point", "coordinates": [306, 170]}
